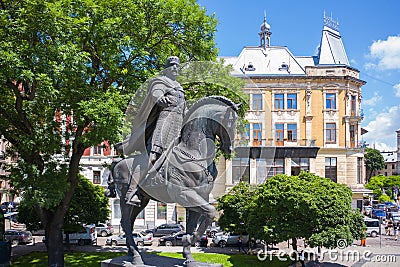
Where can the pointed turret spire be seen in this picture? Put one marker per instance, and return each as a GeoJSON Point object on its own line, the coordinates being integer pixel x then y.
{"type": "Point", "coordinates": [265, 34]}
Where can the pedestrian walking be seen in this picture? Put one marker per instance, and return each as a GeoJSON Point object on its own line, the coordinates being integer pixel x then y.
{"type": "Point", "coordinates": [240, 244]}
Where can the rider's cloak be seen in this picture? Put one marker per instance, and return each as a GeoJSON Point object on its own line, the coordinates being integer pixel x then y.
{"type": "Point", "coordinates": [145, 121]}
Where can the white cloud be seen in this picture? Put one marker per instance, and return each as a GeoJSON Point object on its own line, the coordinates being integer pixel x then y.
{"type": "Point", "coordinates": [373, 100]}
{"type": "Point", "coordinates": [382, 130]}
{"type": "Point", "coordinates": [386, 52]}
{"type": "Point", "coordinates": [397, 89]}
{"type": "Point", "coordinates": [382, 146]}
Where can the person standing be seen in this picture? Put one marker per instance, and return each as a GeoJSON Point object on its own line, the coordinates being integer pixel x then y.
{"type": "Point", "coordinates": [240, 244]}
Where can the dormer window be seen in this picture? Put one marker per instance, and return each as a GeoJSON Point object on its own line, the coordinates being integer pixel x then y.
{"type": "Point", "coordinates": [284, 66]}
{"type": "Point", "coordinates": [250, 67]}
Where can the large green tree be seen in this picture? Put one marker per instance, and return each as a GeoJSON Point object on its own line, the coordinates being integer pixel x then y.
{"type": "Point", "coordinates": [292, 207]}
{"type": "Point", "coordinates": [374, 161]}
{"type": "Point", "coordinates": [80, 61]}
{"type": "Point", "coordinates": [305, 206]}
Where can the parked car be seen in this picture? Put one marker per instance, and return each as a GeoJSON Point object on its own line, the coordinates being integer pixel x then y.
{"type": "Point", "coordinates": [147, 237]}
{"type": "Point", "coordinates": [18, 236]}
{"type": "Point", "coordinates": [104, 229]}
{"type": "Point", "coordinates": [390, 204]}
{"type": "Point", "coordinates": [396, 218]}
{"type": "Point", "coordinates": [211, 231]}
{"type": "Point", "coordinates": [227, 239]}
{"type": "Point", "coordinates": [118, 240]}
{"type": "Point", "coordinates": [377, 213]}
{"type": "Point", "coordinates": [380, 207]}
{"type": "Point", "coordinates": [176, 240]}
{"type": "Point", "coordinates": [372, 226]}
{"type": "Point", "coordinates": [166, 229]}
{"type": "Point", "coordinates": [87, 236]}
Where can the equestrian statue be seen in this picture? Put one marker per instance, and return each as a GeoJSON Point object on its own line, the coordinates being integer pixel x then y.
{"type": "Point", "coordinates": [173, 161]}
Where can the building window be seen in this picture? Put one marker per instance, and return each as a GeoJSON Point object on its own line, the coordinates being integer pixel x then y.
{"type": "Point", "coordinates": [291, 132]}
{"type": "Point", "coordinates": [161, 211]}
{"type": "Point", "coordinates": [261, 170]}
{"type": "Point", "coordinates": [96, 177]}
{"type": "Point", "coordinates": [141, 215]}
{"type": "Point", "coordinates": [240, 170]}
{"type": "Point", "coordinates": [331, 133]}
{"type": "Point", "coordinates": [257, 128]}
{"type": "Point", "coordinates": [331, 169]}
{"type": "Point", "coordinates": [277, 167]}
{"type": "Point", "coordinates": [298, 165]}
{"type": "Point", "coordinates": [279, 100]}
{"type": "Point", "coordinates": [279, 134]}
{"type": "Point", "coordinates": [360, 170]}
{"type": "Point", "coordinates": [330, 101]}
{"type": "Point", "coordinates": [257, 102]}
{"type": "Point", "coordinates": [353, 105]}
{"type": "Point", "coordinates": [393, 167]}
{"type": "Point", "coordinates": [292, 101]}
{"type": "Point", "coordinates": [116, 209]}
{"type": "Point", "coordinates": [97, 150]}
{"type": "Point", "coordinates": [352, 136]}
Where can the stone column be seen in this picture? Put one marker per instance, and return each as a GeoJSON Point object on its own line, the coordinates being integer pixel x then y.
{"type": "Point", "coordinates": [228, 172]}
{"type": "Point", "coordinates": [253, 171]}
{"type": "Point", "coordinates": [288, 166]}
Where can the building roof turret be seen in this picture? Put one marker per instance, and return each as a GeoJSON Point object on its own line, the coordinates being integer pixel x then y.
{"type": "Point", "coordinates": [331, 49]}
{"type": "Point", "coordinates": [265, 34]}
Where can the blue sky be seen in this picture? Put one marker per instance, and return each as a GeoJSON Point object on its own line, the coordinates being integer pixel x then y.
{"type": "Point", "coordinates": [370, 32]}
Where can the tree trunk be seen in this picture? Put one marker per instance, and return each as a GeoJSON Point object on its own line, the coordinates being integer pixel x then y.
{"type": "Point", "coordinates": [54, 245]}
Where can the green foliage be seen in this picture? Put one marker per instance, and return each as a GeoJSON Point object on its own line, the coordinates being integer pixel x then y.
{"type": "Point", "coordinates": [67, 71]}
{"type": "Point", "coordinates": [235, 206]}
{"type": "Point", "coordinates": [384, 198]}
{"type": "Point", "coordinates": [373, 160]}
{"type": "Point", "coordinates": [384, 186]}
{"type": "Point", "coordinates": [88, 206]}
{"type": "Point", "coordinates": [287, 207]}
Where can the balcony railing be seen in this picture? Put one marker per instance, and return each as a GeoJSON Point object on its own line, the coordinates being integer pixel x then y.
{"type": "Point", "coordinates": [273, 142]}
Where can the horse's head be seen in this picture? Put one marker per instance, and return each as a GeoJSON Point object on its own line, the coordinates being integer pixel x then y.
{"type": "Point", "coordinates": [210, 117]}
{"type": "Point", "coordinates": [227, 129]}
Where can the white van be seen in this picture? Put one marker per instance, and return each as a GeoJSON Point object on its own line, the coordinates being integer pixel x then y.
{"type": "Point", "coordinates": [85, 237]}
{"type": "Point", "coordinates": [372, 226]}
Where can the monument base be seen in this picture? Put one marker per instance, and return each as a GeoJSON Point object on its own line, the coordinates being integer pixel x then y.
{"type": "Point", "coordinates": [152, 260]}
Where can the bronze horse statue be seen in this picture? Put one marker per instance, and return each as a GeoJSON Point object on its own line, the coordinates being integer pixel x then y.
{"type": "Point", "coordinates": [184, 174]}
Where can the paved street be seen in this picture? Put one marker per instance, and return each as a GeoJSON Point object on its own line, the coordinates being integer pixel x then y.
{"type": "Point", "coordinates": [380, 251]}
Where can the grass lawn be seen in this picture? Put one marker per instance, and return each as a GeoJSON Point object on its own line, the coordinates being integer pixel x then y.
{"type": "Point", "coordinates": [93, 259]}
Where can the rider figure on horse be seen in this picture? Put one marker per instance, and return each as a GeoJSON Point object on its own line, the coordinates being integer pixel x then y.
{"type": "Point", "coordinates": [158, 123]}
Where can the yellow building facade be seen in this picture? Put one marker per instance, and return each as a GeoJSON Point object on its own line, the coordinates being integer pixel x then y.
{"type": "Point", "coordinates": [304, 115]}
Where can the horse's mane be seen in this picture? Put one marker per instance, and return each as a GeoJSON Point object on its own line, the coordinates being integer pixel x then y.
{"type": "Point", "coordinates": [211, 100]}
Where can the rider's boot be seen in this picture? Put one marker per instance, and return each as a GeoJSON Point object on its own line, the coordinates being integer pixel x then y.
{"type": "Point", "coordinates": [132, 197]}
